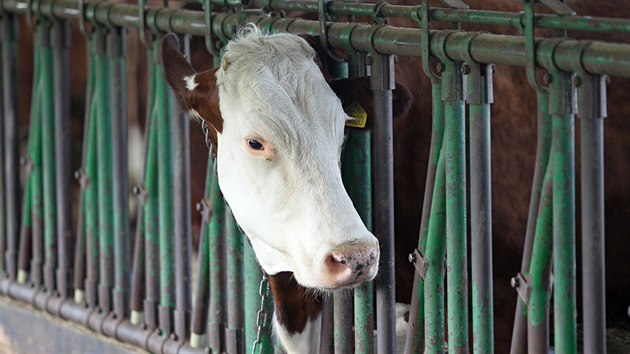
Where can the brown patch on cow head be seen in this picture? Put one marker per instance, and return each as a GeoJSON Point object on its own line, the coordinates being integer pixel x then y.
{"type": "Point", "coordinates": [197, 92]}
{"type": "Point", "coordinates": [294, 305]}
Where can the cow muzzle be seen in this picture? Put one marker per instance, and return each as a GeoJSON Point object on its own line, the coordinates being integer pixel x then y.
{"type": "Point", "coordinates": [351, 265]}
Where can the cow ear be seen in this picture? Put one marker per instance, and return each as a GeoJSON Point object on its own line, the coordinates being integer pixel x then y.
{"type": "Point", "coordinates": [356, 92]}
{"type": "Point", "coordinates": [197, 92]}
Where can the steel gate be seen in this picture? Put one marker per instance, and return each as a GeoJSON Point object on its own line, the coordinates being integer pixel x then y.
{"type": "Point", "coordinates": [135, 284]}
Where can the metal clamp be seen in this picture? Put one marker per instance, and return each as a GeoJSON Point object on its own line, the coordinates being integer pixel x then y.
{"type": "Point", "coordinates": [529, 26]}
{"type": "Point", "coordinates": [419, 262]}
{"type": "Point", "coordinates": [478, 77]}
{"type": "Point", "coordinates": [323, 30]}
{"type": "Point", "coordinates": [210, 46]}
{"type": "Point", "coordinates": [591, 89]}
{"type": "Point", "coordinates": [203, 207]}
{"type": "Point", "coordinates": [521, 283]}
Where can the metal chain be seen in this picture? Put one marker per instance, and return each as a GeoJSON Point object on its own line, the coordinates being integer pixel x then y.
{"type": "Point", "coordinates": [261, 317]}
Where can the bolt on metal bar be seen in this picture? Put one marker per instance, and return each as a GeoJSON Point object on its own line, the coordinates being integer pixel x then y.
{"type": "Point", "coordinates": [48, 161]}
{"type": "Point", "coordinates": [592, 111]}
{"type": "Point", "coordinates": [382, 84]}
{"type": "Point", "coordinates": [543, 144]}
{"type": "Point", "coordinates": [479, 97]}
{"type": "Point", "coordinates": [116, 48]}
{"type": "Point", "coordinates": [181, 211]}
{"type": "Point", "coordinates": [60, 40]}
{"type": "Point", "coordinates": [105, 181]}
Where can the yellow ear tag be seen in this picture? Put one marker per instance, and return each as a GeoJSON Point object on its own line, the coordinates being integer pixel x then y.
{"type": "Point", "coordinates": [358, 113]}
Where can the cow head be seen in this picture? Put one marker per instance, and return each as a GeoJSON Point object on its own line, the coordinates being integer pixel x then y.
{"type": "Point", "coordinates": [278, 129]}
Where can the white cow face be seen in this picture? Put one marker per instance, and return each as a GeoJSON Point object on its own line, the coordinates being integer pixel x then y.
{"type": "Point", "coordinates": [279, 135]}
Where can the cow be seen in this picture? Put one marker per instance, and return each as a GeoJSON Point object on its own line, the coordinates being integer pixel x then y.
{"type": "Point", "coordinates": [277, 129]}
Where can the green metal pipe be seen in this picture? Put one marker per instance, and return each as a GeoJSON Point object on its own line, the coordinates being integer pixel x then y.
{"type": "Point", "coordinates": [216, 279]}
{"type": "Point", "coordinates": [356, 174]}
{"type": "Point", "coordinates": [539, 271]}
{"type": "Point", "coordinates": [252, 275]}
{"type": "Point", "coordinates": [91, 191]}
{"type": "Point", "coordinates": [598, 58]}
{"type": "Point", "coordinates": [165, 201]}
{"type": "Point", "coordinates": [151, 216]}
{"type": "Point", "coordinates": [105, 179]}
{"type": "Point", "coordinates": [519, 331]}
{"type": "Point", "coordinates": [455, 165]}
{"type": "Point", "coordinates": [116, 49]}
{"type": "Point", "coordinates": [434, 278]}
{"type": "Point", "coordinates": [562, 155]}
{"type": "Point", "coordinates": [48, 162]}
{"type": "Point", "coordinates": [234, 293]}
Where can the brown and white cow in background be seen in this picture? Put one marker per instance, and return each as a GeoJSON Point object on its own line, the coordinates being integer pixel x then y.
{"type": "Point", "coordinates": [279, 129]}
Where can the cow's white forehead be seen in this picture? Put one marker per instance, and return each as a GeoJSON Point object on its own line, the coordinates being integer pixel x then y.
{"type": "Point", "coordinates": [274, 80]}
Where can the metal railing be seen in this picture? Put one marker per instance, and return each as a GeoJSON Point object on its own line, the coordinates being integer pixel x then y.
{"type": "Point", "coordinates": [148, 302]}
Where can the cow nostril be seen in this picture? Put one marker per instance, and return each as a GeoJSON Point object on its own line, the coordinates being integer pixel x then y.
{"type": "Point", "coordinates": [338, 267]}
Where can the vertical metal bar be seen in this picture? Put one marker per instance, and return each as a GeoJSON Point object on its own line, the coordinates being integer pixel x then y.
{"type": "Point", "coordinates": [382, 84]}
{"type": "Point", "coordinates": [151, 216]}
{"type": "Point", "coordinates": [165, 201]}
{"type": "Point", "coordinates": [519, 331]}
{"type": "Point", "coordinates": [105, 179]}
{"type": "Point", "coordinates": [91, 191]}
{"type": "Point", "coordinates": [61, 44]}
{"type": "Point", "coordinates": [138, 273]}
{"type": "Point", "coordinates": [35, 155]}
{"type": "Point", "coordinates": [592, 111]}
{"type": "Point", "coordinates": [326, 342]}
{"type": "Point", "coordinates": [215, 323]}
{"type": "Point", "coordinates": [562, 155]}
{"type": "Point", "coordinates": [3, 206]}
{"type": "Point", "coordinates": [116, 48]}
{"type": "Point", "coordinates": [26, 235]}
{"type": "Point", "coordinates": [8, 33]}
{"type": "Point", "coordinates": [252, 275]}
{"type": "Point", "coordinates": [234, 245]}
{"type": "Point", "coordinates": [356, 173]}
{"type": "Point", "coordinates": [199, 321]}
{"type": "Point", "coordinates": [181, 211]}
{"type": "Point", "coordinates": [539, 272]}
{"type": "Point", "coordinates": [419, 311]}
{"type": "Point", "coordinates": [434, 278]}
{"type": "Point", "coordinates": [479, 97]}
{"type": "Point", "coordinates": [455, 165]}
{"type": "Point", "coordinates": [48, 161]}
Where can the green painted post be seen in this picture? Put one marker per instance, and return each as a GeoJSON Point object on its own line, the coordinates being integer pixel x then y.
{"type": "Point", "coordinates": [234, 247]}
{"type": "Point", "coordinates": [91, 191]}
{"type": "Point", "coordinates": [455, 165]}
{"type": "Point", "coordinates": [104, 169]}
{"type": "Point", "coordinates": [216, 279]}
{"type": "Point", "coordinates": [165, 201]}
{"type": "Point", "coordinates": [432, 298]}
{"type": "Point", "coordinates": [151, 212]}
{"type": "Point", "coordinates": [539, 272]}
{"type": "Point", "coordinates": [252, 274]}
{"type": "Point", "coordinates": [563, 162]}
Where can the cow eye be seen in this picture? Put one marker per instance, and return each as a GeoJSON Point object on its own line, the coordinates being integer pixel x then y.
{"type": "Point", "coordinates": [255, 144]}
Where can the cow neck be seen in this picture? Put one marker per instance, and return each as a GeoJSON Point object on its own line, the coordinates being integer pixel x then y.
{"type": "Point", "coordinates": [294, 305]}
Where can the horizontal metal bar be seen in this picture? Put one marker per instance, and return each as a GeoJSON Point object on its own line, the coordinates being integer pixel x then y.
{"type": "Point", "coordinates": [501, 18]}
{"type": "Point", "coordinates": [105, 323]}
{"type": "Point", "coordinates": [598, 57]}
